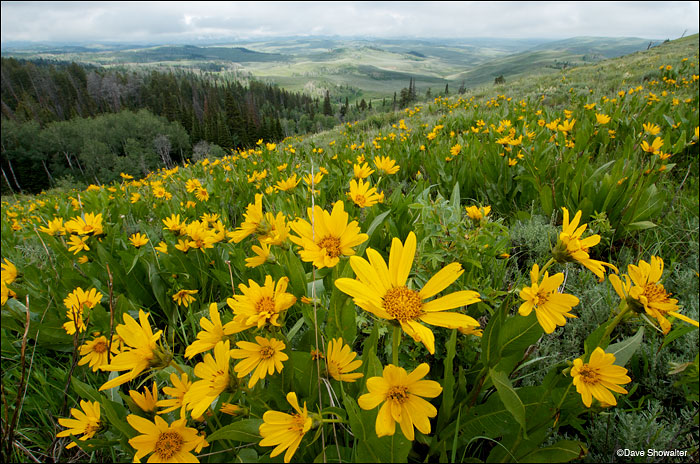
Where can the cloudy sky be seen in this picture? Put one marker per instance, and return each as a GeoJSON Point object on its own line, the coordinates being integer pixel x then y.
{"type": "Point", "coordinates": [162, 22]}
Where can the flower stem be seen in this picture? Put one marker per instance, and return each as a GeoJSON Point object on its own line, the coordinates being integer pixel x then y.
{"type": "Point", "coordinates": [546, 266]}
{"type": "Point", "coordinates": [615, 322]}
{"type": "Point", "coordinates": [396, 339]}
{"type": "Point", "coordinates": [176, 366]}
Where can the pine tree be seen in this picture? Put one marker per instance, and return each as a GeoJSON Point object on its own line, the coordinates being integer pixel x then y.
{"type": "Point", "coordinates": [327, 109]}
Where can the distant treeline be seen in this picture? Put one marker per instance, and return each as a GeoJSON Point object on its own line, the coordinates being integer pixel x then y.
{"type": "Point", "coordinates": [228, 114]}
{"type": "Point", "coordinates": [65, 120]}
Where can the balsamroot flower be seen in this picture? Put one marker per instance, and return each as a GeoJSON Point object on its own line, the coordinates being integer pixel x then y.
{"type": "Point", "coordinates": [262, 254]}
{"type": "Point", "coordinates": [86, 422]}
{"type": "Point", "coordinates": [340, 361]}
{"type": "Point", "coordinates": [142, 351]}
{"type": "Point", "coordinates": [264, 357]}
{"type": "Point", "coordinates": [646, 292]}
{"type": "Point", "coordinates": [330, 237]}
{"type": "Point", "coordinates": [285, 431]}
{"type": "Point", "coordinates": [477, 213]}
{"type": "Point", "coordinates": [598, 376]}
{"type": "Point", "coordinates": [184, 297]}
{"type": "Point", "coordinates": [181, 386]}
{"type": "Point", "coordinates": [362, 195]}
{"type": "Point", "coordinates": [382, 291]}
{"type": "Point", "coordinates": [287, 184]}
{"type": "Point", "coordinates": [89, 224]}
{"type": "Point", "coordinates": [252, 219]}
{"type": "Point", "coordinates": [214, 375]}
{"type": "Point", "coordinates": [78, 244]}
{"type": "Point", "coordinates": [571, 247]}
{"type": "Point", "coordinates": [361, 171]}
{"type": "Point", "coordinates": [138, 240]}
{"type": "Point", "coordinates": [95, 352]}
{"type": "Point", "coordinates": [386, 165]}
{"type": "Point", "coordinates": [402, 394]}
{"type": "Point", "coordinates": [212, 332]}
{"type": "Point", "coordinates": [54, 227]}
{"type": "Point", "coordinates": [551, 307]}
{"type": "Point", "coordinates": [147, 400]}
{"type": "Point", "coordinates": [168, 442]}
{"type": "Point", "coordinates": [259, 306]}
{"type": "Point", "coordinates": [76, 302]}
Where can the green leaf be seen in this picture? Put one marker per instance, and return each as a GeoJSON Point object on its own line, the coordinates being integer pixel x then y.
{"type": "Point", "coordinates": [448, 381]}
{"type": "Point", "coordinates": [370, 231]}
{"type": "Point", "coordinates": [247, 455]}
{"type": "Point", "coordinates": [546, 200]}
{"type": "Point", "coordinates": [624, 350]}
{"type": "Point", "coordinates": [490, 348]}
{"type": "Point", "coordinates": [455, 199]}
{"type": "Point", "coordinates": [509, 397]}
{"type": "Point", "coordinates": [160, 291]}
{"type": "Point", "coordinates": [518, 333]}
{"type": "Point", "coordinates": [297, 276]}
{"type": "Point", "coordinates": [246, 430]}
{"type": "Point", "coordinates": [595, 339]}
{"type": "Point", "coordinates": [562, 451]}
{"type": "Point", "coordinates": [676, 333]}
{"type": "Point", "coordinates": [640, 225]}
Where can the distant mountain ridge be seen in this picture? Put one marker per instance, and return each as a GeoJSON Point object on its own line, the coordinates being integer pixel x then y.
{"type": "Point", "coordinates": [374, 68]}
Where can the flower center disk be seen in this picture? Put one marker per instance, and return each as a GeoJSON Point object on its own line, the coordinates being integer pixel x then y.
{"type": "Point", "coordinates": [168, 444]}
{"type": "Point", "coordinates": [403, 304]}
{"type": "Point", "coordinates": [266, 352]}
{"type": "Point", "coordinates": [398, 393]}
{"type": "Point", "coordinates": [588, 375]}
{"type": "Point", "coordinates": [266, 305]}
{"type": "Point", "coordinates": [331, 245]}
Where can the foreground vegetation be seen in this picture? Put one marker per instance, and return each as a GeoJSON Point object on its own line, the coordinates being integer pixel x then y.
{"type": "Point", "coordinates": [417, 286]}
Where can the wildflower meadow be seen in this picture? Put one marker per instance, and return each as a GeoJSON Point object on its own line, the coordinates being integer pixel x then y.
{"type": "Point", "coordinates": [506, 275]}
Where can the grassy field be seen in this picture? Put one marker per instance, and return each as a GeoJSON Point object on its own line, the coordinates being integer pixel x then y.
{"type": "Point", "coordinates": [418, 286]}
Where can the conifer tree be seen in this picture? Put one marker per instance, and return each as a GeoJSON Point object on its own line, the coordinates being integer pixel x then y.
{"type": "Point", "coordinates": [327, 109]}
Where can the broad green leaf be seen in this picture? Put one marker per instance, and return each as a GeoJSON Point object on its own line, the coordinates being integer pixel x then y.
{"type": "Point", "coordinates": [624, 350]}
{"type": "Point", "coordinates": [518, 333]}
{"type": "Point", "coordinates": [490, 348]}
{"type": "Point", "coordinates": [297, 276]}
{"type": "Point", "coordinates": [509, 397]}
{"type": "Point", "coordinates": [246, 430]}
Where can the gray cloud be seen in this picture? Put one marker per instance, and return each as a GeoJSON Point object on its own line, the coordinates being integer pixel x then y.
{"type": "Point", "coordinates": [182, 21]}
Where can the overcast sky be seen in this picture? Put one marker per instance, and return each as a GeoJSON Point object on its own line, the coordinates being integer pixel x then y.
{"type": "Point", "coordinates": [163, 22]}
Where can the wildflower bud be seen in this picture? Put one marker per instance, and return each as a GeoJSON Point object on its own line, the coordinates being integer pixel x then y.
{"type": "Point", "coordinates": [317, 420]}
{"type": "Point", "coordinates": [161, 358]}
{"type": "Point", "coordinates": [561, 254]}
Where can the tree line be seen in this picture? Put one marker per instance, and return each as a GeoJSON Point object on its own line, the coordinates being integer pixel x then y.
{"type": "Point", "coordinates": [66, 123]}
